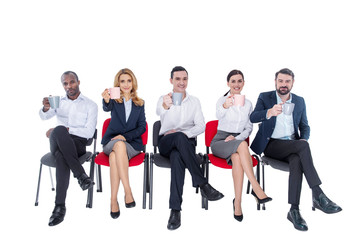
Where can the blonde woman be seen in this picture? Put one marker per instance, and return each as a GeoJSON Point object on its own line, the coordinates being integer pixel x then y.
{"type": "Point", "coordinates": [122, 139]}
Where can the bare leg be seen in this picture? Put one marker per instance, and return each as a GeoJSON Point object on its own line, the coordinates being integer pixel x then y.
{"type": "Point", "coordinates": [246, 163]}
{"type": "Point", "coordinates": [238, 178]}
{"type": "Point", "coordinates": [114, 182]}
{"type": "Point", "coordinates": [122, 164]}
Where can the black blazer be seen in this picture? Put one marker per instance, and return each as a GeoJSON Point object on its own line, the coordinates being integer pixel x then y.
{"type": "Point", "coordinates": [131, 130]}
{"type": "Point", "coordinates": [266, 101]}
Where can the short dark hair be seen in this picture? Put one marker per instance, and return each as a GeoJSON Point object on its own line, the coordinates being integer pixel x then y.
{"type": "Point", "coordinates": [177, 69]}
{"type": "Point", "coordinates": [285, 71]}
{"type": "Point", "coordinates": [68, 73]}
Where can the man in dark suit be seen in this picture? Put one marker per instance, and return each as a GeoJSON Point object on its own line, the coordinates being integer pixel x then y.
{"type": "Point", "coordinates": [284, 137]}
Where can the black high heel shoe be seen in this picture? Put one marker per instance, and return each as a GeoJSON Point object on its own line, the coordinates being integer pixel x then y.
{"type": "Point", "coordinates": [115, 215]}
{"type": "Point", "coordinates": [260, 201]}
{"type": "Point", "coordinates": [237, 217]}
{"type": "Point", "coordinates": [130, 204]}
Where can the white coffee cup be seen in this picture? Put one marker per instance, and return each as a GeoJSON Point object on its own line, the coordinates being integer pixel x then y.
{"type": "Point", "coordinates": [54, 101]}
{"type": "Point", "coordinates": [177, 98]}
{"type": "Point", "coordinates": [288, 108]}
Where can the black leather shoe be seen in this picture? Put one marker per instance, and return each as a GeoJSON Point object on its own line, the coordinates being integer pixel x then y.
{"type": "Point", "coordinates": [210, 193]}
{"type": "Point", "coordinates": [260, 201]}
{"type": "Point", "coordinates": [57, 215]}
{"type": "Point", "coordinates": [85, 182]}
{"type": "Point", "coordinates": [325, 204]}
{"type": "Point", "coordinates": [115, 215]}
{"type": "Point", "coordinates": [237, 217]}
{"type": "Point", "coordinates": [174, 220]}
{"type": "Point", "coordinates": [131, 204]}
{"type": "Point", "coordinates": [295, 217]}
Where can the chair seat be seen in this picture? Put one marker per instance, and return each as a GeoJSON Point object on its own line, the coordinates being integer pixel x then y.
{"type": "Point", "coordinates": [277, 164]}
{"type": "Point", "coordinates": [103, 159]}
{"type": "Point", "coordinates": [164, 162]}
{"type": "Point", "coordinates": [222, 163]}
{"type": "Point", "coordinates": [49, 159]}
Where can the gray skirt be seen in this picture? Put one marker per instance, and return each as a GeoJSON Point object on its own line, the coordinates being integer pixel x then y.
{"type": "Point", "coordinates": [223, 149]}
{"type": "Point", "coordinates": [131, 152]}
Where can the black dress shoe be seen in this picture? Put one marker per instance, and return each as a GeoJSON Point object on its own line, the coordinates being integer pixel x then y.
{"type": "Point", "coordinates": [295, 217]}
{"type": "Point", "coordinates": [260, 201]}
{"type": "Point", "coordinates": [131, 204]}
{"type": "Point", "coordinates": [57, 215]}
{"type": "Point", "coordinates": [174, 220]}
{"type": "Point", "coordinates": [325, 204]}
{"type": "Point", "coordinates": [210, 193]}
{"type": "Point", "coordinates": [115, 215]}
{"type": "Point", "coordinates": [237, 217]}
{"type": "Point", "coordinates": [85, 181]}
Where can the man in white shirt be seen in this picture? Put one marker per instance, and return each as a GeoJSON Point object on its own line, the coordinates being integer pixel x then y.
{"type": "Point", "coordinates": [179, 127]}
{"type": "Point", "coordinates": [77, 118]}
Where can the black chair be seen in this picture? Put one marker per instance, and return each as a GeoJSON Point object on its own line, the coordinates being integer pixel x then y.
{"type": "Point", "coordinates": [50, 161]}
{"type": "Point", "coordinates": [164, 162]}
{"type": "Point", "coordinates": [274, 163]}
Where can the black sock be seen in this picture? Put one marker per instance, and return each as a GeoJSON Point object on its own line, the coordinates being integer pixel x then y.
{"type": "Point", "coordinates": [316, 191]}
{"type": "Point", "coordinates": [294, 206]}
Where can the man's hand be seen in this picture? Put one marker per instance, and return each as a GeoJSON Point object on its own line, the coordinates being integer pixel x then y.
{"type": "Point", "coordinates": [275, 110]}
{"type": "Point", "coordinates": [167, 101]}
{"type": "Point", "coordinates": [49, 132]}
{"type": "Point", "coordinates": [46, 104]}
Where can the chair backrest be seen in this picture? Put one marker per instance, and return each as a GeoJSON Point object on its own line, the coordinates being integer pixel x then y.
{"type": "Point", "coordinates": [211, 130]}
{"type": "Point", "coordinates": [144, 136]}
{"type": "Point", "coordinates": [156, 130]}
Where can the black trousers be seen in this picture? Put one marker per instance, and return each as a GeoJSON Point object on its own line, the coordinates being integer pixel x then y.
{"type": "Point", "coordinates": [181, 151]}
{"type": "Point", "coordinates": [67, 149]}
{"type": "Point", "coordinates": [297, 153]}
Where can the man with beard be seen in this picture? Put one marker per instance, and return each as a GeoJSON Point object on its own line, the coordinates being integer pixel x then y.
{"type": "Point", "coordinates": [284, 137]}
{"type": "Point", "coordinates": [76, 123]}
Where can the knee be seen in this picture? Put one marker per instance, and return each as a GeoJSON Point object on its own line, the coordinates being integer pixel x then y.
{"type": "Point", "coordinates": [235, 159]}
{"type": "Point", "coordinates": [119, 146]}
{"type": "Point", "coordinates": [243, 146]}
{"type": "Point", "coordinates": [59, 130]}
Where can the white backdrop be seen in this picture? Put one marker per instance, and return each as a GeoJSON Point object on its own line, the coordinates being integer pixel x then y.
{"type": "Point", "coordinates": [318, 40]}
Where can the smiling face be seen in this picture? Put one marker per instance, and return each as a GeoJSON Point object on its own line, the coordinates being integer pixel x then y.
{"type": "Point", "coordinates": [284, 83]}
{"type": "Point", "coordinates": [125, 82]}
{"type": "Point", "coordinates": [236, 84]}
{"type": "Point", "coordinates": [71, 85]}
{"type": "Point", "coordinates": [179, 81]}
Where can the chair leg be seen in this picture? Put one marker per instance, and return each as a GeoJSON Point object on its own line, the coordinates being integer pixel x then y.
{"type": "Point", "coordinates": [151, 180]}
{"type": "Point", "coordinates": [263, 181]}
{"type": "Point", "coordinates": [205, 201]}
{"type": "Point", "coordinates": [91, 190]}
{"type": "Point", "coordinates": [146, 160]}
{"type": "Point", "coordinates": [98, 178]}
{"type": "Point", "coordinates": [38, 187]}
{"type": "Point", "coordinates": [51, 179]}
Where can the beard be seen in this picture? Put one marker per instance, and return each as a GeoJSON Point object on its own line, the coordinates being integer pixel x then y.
{"type": "Point", "coordinates": [283, 90]}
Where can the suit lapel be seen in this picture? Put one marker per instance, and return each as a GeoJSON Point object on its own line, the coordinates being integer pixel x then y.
{"type": "Point", "coordinates": [133, 113]}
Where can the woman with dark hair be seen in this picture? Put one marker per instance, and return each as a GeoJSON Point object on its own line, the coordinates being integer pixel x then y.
{"type": "Point", "coordinates": [122, 139]}
{"type": "Point", "coordinates": [229, 142]}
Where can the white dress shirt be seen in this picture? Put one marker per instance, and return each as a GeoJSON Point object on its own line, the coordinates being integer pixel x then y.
{"type": "Point", "coordinates": [235, 119]}
{"type": "Point", "coordinates": [284, 127]}
{"type": "Point", "coordinates": [187, 118]}
{"type": "Point", "coordinates": [79, 115]}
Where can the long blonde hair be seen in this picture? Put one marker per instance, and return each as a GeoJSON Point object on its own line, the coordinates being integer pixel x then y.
{"type": "Point", "coordinates": [133, 95]}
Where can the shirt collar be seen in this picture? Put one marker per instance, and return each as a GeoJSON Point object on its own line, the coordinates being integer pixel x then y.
{"type": "Point", "coordinates": [66, 98]}
{"type": "Point", "coordinates": [279, 99]}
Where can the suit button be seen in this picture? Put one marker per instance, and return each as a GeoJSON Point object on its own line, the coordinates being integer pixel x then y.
{"type": "Point", "coordinates": [268, 138]}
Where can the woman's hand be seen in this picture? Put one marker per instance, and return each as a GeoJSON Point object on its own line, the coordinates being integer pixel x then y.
{"type": "Point", "coordinates": [228, 102]}
{"type": "Point", "coordinates": [121, 137]}
{"type": "Point", "coordinates": [106, 95]}
{"type": "Point", "coordinates": [229, 138]}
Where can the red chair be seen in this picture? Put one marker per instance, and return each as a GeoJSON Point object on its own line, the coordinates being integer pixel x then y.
{"type": "Point", "coordinates": [210, 132]}
{"type": "Point", "coordinates": [143, 157]}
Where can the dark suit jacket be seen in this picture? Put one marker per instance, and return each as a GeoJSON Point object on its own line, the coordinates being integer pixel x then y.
{"type": "Point", "coordinates": [131, 130]}
{"type": "Point", "coordinates": [266, 101]}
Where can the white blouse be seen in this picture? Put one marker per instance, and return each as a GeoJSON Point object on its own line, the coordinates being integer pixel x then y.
{"type": "Point", "coordinates": [235, 119]}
